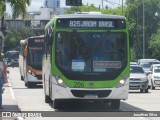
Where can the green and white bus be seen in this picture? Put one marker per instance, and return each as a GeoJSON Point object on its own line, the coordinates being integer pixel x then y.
{"type": "Point", "coordinates": [87, 58]}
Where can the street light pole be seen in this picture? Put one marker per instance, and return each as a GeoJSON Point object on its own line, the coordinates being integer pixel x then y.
{"type": "Point", "coordinates": [143, 31]}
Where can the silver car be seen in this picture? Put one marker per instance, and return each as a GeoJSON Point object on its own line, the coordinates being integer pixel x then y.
{"type": "Point", "coordinates": [138, 79]}
{"type": "Point", "coordinates": [147, 65]}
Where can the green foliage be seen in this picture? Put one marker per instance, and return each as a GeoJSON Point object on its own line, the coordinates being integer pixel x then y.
{"type": "Point", "coordinates": [113, 11]}
{"type": "Point", "coordinates": [154, 45]}
{"type": "Point", "coordinates": [88, 8]}
{"type": "Point", "coordinates": [18, 7]}
{"type": "Point", "coordinates": [134, 15]}
{"type": "Point", "coordinates": [83, 8]}
{"type": "Point", "coordinates": [13, 38]}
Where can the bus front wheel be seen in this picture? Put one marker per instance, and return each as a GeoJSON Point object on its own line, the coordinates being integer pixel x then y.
{"type": "Point", "coordinates": [47, 99]}
{"type": "Point", "coordinates": [22, 78]}
{"type": "Point", "coordinates": [115, 104]}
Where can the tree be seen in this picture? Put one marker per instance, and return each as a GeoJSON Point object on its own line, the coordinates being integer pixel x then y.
{"type": "Point", "coordinates": [13, 38]}
{"type": "Point", "coordinates": [113, 11]}
{"type": "Point", "coordinates": [83, 8]}
{"type": "Point", "coordinates": [154, 45]}
{"type": "Point", "coordinates": [18, 7]}
{"type": "Point", "coordinates": [134, 15]}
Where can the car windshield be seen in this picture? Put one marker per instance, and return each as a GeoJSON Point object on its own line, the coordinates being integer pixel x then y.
{"type": "Point", "coordinates": [91, 51]}
{"type": "Point", "coordinates": [136, 69]}
{"type": "Point", "coordinates": [148, 64]}
{"type": "Point", "coordinates": [157, 69]}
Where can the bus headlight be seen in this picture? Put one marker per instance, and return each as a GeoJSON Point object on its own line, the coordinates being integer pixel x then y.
{"type": "Point", "coordinates": [121, 83]}
{"type": "Point", "coordinates": [30, 72]}
{"type": "Point", "coordinates": [60, 81]}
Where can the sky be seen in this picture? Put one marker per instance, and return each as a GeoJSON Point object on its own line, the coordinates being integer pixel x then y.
{"type": "Point", "coordinates": [36, 4]}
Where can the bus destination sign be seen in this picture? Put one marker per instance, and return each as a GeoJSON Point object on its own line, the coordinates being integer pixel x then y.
{"type": "Point", "coordinates": [91, 23]}
{"type": "Point", "coordinates": [39, 40]}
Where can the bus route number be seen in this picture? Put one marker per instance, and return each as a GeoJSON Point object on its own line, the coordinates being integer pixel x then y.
{"type": "Point", "coordinates": [78, 84]}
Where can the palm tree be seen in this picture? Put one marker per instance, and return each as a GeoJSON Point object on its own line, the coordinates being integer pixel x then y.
{"type": "Point", "coordinates": [18, 7]}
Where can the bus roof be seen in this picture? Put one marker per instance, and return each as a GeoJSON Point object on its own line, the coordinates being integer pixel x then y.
{"type": "Point", "coordinates": [23, 42]}
{"type": "Point", "coordinates": [88, 16]}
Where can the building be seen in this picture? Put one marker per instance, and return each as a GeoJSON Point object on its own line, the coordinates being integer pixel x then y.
{"type": "Point", "coordinates": [36, 19]}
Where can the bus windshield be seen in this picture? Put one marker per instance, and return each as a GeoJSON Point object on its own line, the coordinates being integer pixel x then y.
{"type": "Point", "coordinates": [35, 56]}
{"type": "Point", "coordinates": [91, 52]}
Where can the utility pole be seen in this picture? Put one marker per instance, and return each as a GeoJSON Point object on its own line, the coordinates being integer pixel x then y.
{"type": "Point", "coordinates": [143, 31]}
{"type": "Point", "coordinates": [102, 4]}
{"type": "Point", "coordinates": [122, 7]}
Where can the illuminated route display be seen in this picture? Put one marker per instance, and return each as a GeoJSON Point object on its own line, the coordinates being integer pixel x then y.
{"type": "Point", "coordinates": [90, 23]}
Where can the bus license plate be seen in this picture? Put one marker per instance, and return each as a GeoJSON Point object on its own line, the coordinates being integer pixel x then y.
{"type": "Point", "coordinates": [134, 85]}
{"type": "Point", "coordinates": [90, 96]}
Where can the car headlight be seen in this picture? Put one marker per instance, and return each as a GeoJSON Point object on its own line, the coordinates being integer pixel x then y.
{"type": "Point", "coordinates": [156, 77]}
{"type": "Point", "coordinates": [60, 81]}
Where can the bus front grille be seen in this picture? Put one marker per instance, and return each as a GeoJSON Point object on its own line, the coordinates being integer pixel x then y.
{"type": "Point", "coordinates": [99, 93]}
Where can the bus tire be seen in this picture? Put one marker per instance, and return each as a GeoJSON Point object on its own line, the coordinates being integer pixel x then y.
{"type": "Point", "coordinates": [22, 77]}
{"type": "Point", "coordinates": [25, 84]}
{"type": "Point", "coordinates": [115, 104]}
{"type": "Point", "coordinates": [47, 99]}
{"type": "Point", "coordinates": [146, 90]}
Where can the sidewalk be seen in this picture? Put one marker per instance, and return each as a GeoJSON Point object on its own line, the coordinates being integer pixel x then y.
{"type": "Point", "coordinates": [8, 100]}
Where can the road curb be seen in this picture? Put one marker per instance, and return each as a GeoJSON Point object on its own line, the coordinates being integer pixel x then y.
{"type": "Point", "coordinates": [9, 102]}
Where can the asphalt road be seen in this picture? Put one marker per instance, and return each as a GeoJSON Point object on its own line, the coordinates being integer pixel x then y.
{"type": "Point", "coordinates": [32, 99]}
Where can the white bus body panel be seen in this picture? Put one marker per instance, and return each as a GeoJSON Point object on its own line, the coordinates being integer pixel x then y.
{"type": "Point", "coordinates": [31, 78]}
{"type": "Point", "coordinates": [59, 92]}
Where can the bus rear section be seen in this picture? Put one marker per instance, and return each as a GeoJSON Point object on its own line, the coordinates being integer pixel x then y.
{"type": "Point", "coordinates": [32, 67]}
{"type": "Point", "coordinates": [88, 61]}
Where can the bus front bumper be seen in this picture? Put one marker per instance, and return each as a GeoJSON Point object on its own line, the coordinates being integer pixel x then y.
{"type": "Point", "coordinates": [59, 92]}
{"type": "Point", "coordinates": [34, 79]}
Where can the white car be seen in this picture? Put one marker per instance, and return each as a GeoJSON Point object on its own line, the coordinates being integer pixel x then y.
{"type": "Point", "coordinates": [138, 79]}
{"type": "Point", "coordinates": [154, 76]}
{"type": "Point", "coordinates": [142, 61]}
{"type": "Point", "coordinates": [147, 65]}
